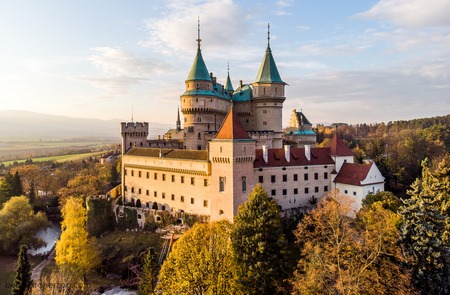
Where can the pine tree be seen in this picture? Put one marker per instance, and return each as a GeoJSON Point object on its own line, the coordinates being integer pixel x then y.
{"type": "Point", "coordinates": [258, 244]}
{"type": "Point", "coordinates": [32, 193]}
{"type": "Point", "coordinates": [149, 273]}
{"type": "Point", "coordinates": [17, 189]}
{"type": "Point", "coordinates": [425, 229]}
{"type": "Point", "coordinates": [22, 278]}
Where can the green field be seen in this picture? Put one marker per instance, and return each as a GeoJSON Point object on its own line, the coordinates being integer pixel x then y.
{"type": "Point", "coordinates": [63, 158]}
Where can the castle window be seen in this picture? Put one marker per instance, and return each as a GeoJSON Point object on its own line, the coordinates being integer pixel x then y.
{"type": "Point", "coordinates": [131, 144]}
{"type": "Point", "coordinates": [199, 147]}
{"type": "Point", "coordinates": [284, 177]}
{"type": "Point", "coordinates": [142, 144]}
{"type": "Point", "coordinates": [126, 188]}
{"type": "Point", "coordinates": [132, 189]}
{"type": "Point", "coordinates": [164, 177]}
{"type": "Point", "coordinates": [199, 119]}
{"type": "Point", "coordinates": [325, 188]}
{"type": "Point", "coordinates": [295, 191]}
{"type": "Point", "coordinates": [316, 189]}
{"type": "Point", "coordinates": [261, 179]}
{"type": "Point", "coordinates": [192, 200]}
{"type": "Point", "coordinates": [264, 111]}
{"type": "Point", "coordinates": [125, 172]}
{"type": "Point", "coordinates": [305, 176]}
{"type": "Point", "coordinates": [173, 178]}
{"type": "Point", "coordinates": [221, 184]}
{"type": "Point", "coordinates": [246, 121]}
{"type": "Point", "coordinates": [295, 177]}
{"type": "Point", "coordinates": [132, 172]}
{"type": "Point", "coordinates": [244, 184]}
{"type": "Point", "coordinates": [163, 207]}
{"type": "Point", "coordinates": [205, 182]}
{"type": "Point", "coordinates": [325, 175]}
{"type": "Point", "coordinates": [182, 199]}
{"type": "Point", "coordinates": [147, 192]}
{"type": "Point", "coordinates": [316, 176]}
{"type": "Point", "coordinates": [148, 175]}
{"type": "Point", "coordinates": [220, 212]}
{"type": "Point", "coordinates": [275, 90]}
{"type": "Point", "coordinates": [264, 123]}
{"type": "Point", "coordinates": [273, 192]}
{"type": "Point", "coordinates": [191, 129]}
{"type": "Point", "coordinates": [284, 192]}
{"type": "Point", "coordinates": [272, 178]}
{"type": "Point", "coordinates": [155, 194]}
{"type": "Point", "coordinates": [182, 179]}
{"type": "Point", "coordinates": [345, 191]}
{"type": "Point", "coordinates": [163, 195]}
{"type": "Point", "coordinates": [139, 173]}
{"type": "Point", "coordinates": [220, 149]}
{"type": "Point", "coordinates": [196, 100]}
{"type": "Point", "coordinates": [199, 135]}
{"type": "Point", "coordinates": [306, 190]}
{"type": "Point", "coordinates": [139, 191]}
{"type": "Point", "coordinates": [192, 180]}
{"type": "Point", "coordinates": [205, 203]}
{"type": "Point", "coordinates": [354, 193]}
{"type": "Point", "coordinates": [172, 197]}
{"type": "Point", "coordinates": [264, 90]}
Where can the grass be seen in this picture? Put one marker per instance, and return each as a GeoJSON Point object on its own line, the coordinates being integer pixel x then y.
{"type": "Point", "coordinates": [62, 158]}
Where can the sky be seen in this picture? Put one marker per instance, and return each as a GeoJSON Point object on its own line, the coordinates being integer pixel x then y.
{"type": "Point", "coordinates": [354, 61]}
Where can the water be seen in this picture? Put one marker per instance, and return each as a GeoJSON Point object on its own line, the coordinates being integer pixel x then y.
{"type": "Point", "coordinates": [49, 235]}
{"type": "Point", "coordinates": [119, 291]}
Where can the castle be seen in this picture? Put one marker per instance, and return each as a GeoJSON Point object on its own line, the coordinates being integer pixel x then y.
{"type": "Point", "coordinates": [232, 140]}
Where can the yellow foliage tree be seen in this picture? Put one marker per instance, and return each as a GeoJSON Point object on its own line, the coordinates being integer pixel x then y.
{"type": "Point", "coordinates": [75, 250]}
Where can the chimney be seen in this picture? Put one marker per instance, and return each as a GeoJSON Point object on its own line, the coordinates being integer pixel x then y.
{"type": "Point", "coordinates": [240, 83]}
{"type": "Point", "coordinates": [308, 152]}
{"type": "Point", "coordinates": [287, 152]}
{"type": "Point", "coordinates": [265, 154]}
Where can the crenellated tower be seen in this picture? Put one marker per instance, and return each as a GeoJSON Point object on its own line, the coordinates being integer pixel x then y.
{"type": "Point", "coordinates": [268, 97]}
{"type": "Point", "coordinates": [204, 104]}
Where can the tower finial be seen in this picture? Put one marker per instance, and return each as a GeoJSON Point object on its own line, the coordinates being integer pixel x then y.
{"type": "Point", "coordinates": [132, 113]}
{"type": "Point", "coordinates": [198, 34]}
{"type": "Point", "coordinates": [228, 67]}
{"type": "Point", "coordinates": [268, 35]}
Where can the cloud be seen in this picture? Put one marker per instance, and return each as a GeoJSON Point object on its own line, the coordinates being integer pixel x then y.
{"type": "Point", "coordinates": [175, 32]}
{"type": "Point", "coordinates": [119, 70]}
{"type": "Point", "coordinates": [282, 7]}
{"type": "Point", "coordinates": [411, 13]}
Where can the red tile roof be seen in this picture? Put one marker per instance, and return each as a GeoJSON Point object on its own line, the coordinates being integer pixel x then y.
{"type": "Point", "coordinates": [169, 153]}
{"type": "Point", "coordinates": [276, 158]}
{"type": "Point", "coordinates": [353, 174]}
{"type": "Point", "coordinates": [339, 148]}
{"type": "Point", "coordinates": [231, 128]}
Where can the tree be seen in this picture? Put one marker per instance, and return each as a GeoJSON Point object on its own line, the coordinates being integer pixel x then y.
{"type": "Point", "coordinates": [60, 281]}
{"type": "Point", "coordinates": [22, 278]}
{"type": "Point", "coordinates": [258, 244]}
{"type": "Point", "coordinates": [149, 274]}
{"type": "Point", "coordinates": [201, 262]}
{"type": "Point", "coordinates": [426, 227]}
{"type": "Point", "coordinates": [341, 255]}
{"type": "Point", "coordinates": [75, 250]}
{"type": "Point", "coordinates": [388, 199]}
{"type": "Point", "coordinates": [19, 225]}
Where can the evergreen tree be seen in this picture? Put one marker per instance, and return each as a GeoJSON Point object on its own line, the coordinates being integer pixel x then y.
{"type": "Point", "coordinates": [32, 193]}
{"type": "Point", "coordinates": [426, 226]}
{"type": "Point", "coordinates": [17, 189]}
{"type": "Point", "coordinates": [22, 278]}
{"type": "Point", "coordinates": [258, 244]}
{"type": "Point", "coordinates": [149, 273]}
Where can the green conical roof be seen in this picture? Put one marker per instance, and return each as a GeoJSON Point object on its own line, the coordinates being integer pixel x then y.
{"type": "Point", "coordinates": [228, 85]}
{"type": "Point", "coordinates": [198, 69]}
{"type": "Point", "coordinates": [268, 72]}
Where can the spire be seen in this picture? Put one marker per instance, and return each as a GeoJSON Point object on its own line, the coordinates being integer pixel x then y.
{"type": "Point", "coordinates": [338, 147]}
{"type": "Point", "coordinates": [268, 72]}
{"type": "Point", "coordinates": [198, 70]}
{"type": "Point", "coordinates": [231, 128]}
{"type": "Point", "coordinates": [228, 85]}
{"type": "Point", "coordinates": [178, 120]}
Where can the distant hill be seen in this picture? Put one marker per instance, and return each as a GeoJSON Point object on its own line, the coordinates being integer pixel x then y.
{"type": "Point", "coordinates": [24, 125]}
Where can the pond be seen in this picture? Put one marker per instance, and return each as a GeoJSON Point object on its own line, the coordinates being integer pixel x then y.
{"type": "Point", "coordinates": [49, 235]}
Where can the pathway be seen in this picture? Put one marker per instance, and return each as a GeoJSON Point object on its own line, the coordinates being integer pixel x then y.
{"type": "Point", "coordinates": [37, 270]}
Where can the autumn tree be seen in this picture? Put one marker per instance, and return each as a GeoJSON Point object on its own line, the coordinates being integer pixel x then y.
{"type": "Point", "coordinates": [22, 278]}
{"type": "Point", "coordinates": [426, 228]}
{"type": "Point", "coordinates": [388, 200]}
{"type": "Point", "coordinates": [59, 281]}
{"type": "Point", "coordinates": [149, 273]}
{"type": "Point", "coordinates": [258, 244]}
{"type": "Point", "coordinates": [11, 186]}
{"type": "Point", "coordinates": [201, 262]}
{"type": "Point", "coordinates": [341, 255]}
{"type": "Point", "coordinates": [19, 225]}
{"type": "Point", "coordinates": [75, 250]}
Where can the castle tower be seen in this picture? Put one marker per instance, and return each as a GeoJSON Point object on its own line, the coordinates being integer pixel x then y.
{"type": "Point", "coordinates": [268, 97]}
{"type": "Point", "coordinates": [178, 120]}
{"type": "Point", "coordinates": [228, 86]}
{"type": "Point", "coordinates": [232, 153]}
{"type": "Point", "coordinates": [204, 104]}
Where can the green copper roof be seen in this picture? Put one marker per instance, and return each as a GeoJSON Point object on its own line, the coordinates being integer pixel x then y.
{"type": "Point", "coordinates": [228, 85]}
{"type": "Point", "coordinates": [268, 72]}
{"type": "Point", "coordinates": [243, 94]}
{"type": "Point", "coordinates": [198, 69]}
{"type": "Point", "coordinates": [215, 92]}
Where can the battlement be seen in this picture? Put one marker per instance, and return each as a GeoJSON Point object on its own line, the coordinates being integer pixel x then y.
{"type": "Point", "coordinates": [134, 127]}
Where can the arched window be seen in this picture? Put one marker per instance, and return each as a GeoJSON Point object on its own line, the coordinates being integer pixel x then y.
{"type": "Point", "coordinates": [221, 184]}
{"type": "Point", "coordinates": [244, 184]}
{"type": "Point", "coordinates": [199, 135]}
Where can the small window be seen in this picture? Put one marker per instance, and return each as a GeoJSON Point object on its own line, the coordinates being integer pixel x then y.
{"type": "Point", "coordinates": [244, 184]}
{"type": "Point", "coordinates": [305, 176]}
{"type": "Point", "coordinates": [273, 193]}
{"type": "Point", "coordinates": [199, 119]}
{"type": "Point", "coordinates": [148, 175]}
{"type": "Point", "coordinates": [306, 190]}
{"type": "Point", "coordinates": [316, 176]}
{"type": "Point", "coordinates": [295, 191]}
{"type": "Point", "coordinates": [205, 182]}
{"type": "Point", "coordinates": [192, 180]}
{"type": "Point", "coordinates": [182, 179]}
{"type": "Point", "coordinates": [139, 173]}
{"type": "Point", "coordinates": [345, 191]}
{"type": "Point", "coordinates": [221, 184]}
{"type": "Point", "coordinates": [172, 197]}
{"type": "Point", "coordinates": [284, 192]}
{"type": "Point", "coordinates": [316, 189]}
{"type": "Point", "coordinates": [284, 177]}
{"type": "Point", "coordinates": [261, 179]}
{"type": "Point", "coordinates": [264, 123]}
{"type": "Point", "coordinates": [220, 212]}
{"type": "Point", "coordinates": [205, 203]}
{"type": "Point", "coordinates": [139, 191]}
{"type": "Point", "coordinates": [325, 188]}
{"type": "Point", "coordinates": [163, 195]}
{"type": "Point", "coordinates": [155, 194]}
{"type": "Point", "coordinates": [264, 111]}
{"type": "Point", "coordinates": [155, 176]}
{"type": "Point", "coordinates": [182, 199]}
{"type": "Point", "coordinates": [295, 177]}
{"type": "Point", "coordinates": [173, 178]}
{"type": "Point", "coordinates": [192, 200]}
{"type": "Point", "coordinates": [147, 192]}
{"type": "Point", "coordinates": [354, 193]}
{"type": "Point", "coordinates": [325, 175]}
{"type": "Point", "coordinates": [132, 172]}
{"type": "Point", "coordinates": [272, 178]}
{"type": "Point", "coordinates": [126, 188]}
{"type": "Point", "coordinates": [132, 189]}
{"type": "Point", "coordinates": [164, 177]}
